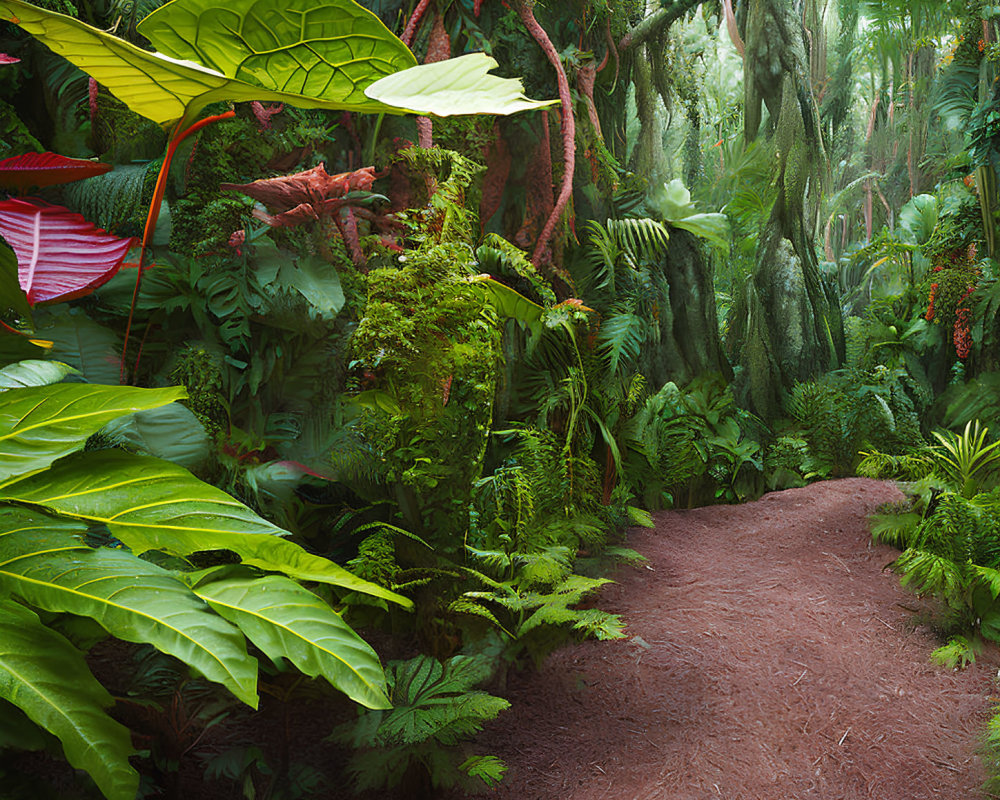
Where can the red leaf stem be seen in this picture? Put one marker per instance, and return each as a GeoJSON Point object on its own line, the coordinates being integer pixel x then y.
{"type": "Point", "coordinates": [176, 138]}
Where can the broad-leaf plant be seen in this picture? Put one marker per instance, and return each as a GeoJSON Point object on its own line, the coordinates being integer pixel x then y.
{"type": "Point", "coordinates": [57, 505]}
{"type": "Point", "coordinates": [334, 55]}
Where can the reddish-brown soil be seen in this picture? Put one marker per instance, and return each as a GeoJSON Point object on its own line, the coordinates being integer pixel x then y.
{"type": "Point", "coordinates": [769, 658]}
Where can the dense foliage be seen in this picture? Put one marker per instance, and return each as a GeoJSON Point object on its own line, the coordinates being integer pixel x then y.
{"type": "Point", "coordinates": [300, 352]}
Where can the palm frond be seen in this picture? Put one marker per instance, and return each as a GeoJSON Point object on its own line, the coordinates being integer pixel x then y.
{"type": "Point", "coordinates": [644, 239]}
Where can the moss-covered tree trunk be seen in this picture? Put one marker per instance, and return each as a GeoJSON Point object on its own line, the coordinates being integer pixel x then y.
{"type": "Point", "coordinates": [789, 329]}
{"type": "Point", "coordinates": [689, 343]}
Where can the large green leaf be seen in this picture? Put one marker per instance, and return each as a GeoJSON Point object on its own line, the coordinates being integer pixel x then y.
{"type": "Point", "coordinates": [171, 432]}
{"type": "Point", "coordinates": [318, 282]}
{"type": "Point", "coordinates": [917, 219]}
{"type": "Point", "coordinates": [17, 731]}
{"type": "Point", "coordinates": [326, 49]}
{"type": "Point", "coordinates": [150, 504]}
{"type": "Point", "coordinates": [460, 85]}
{"type": "Point", "coordinates": [85, 344]}
{"type": "Point", "coordinates": [164, 89]}
{"type": "Point", "coordinates": [673, 200]}
{"type": "Point", "coordinates": [42, 423]}
{"type": "Point", "coordinates": [43, 563]}
{"type": "Point", "coordinates": [285, 620]}
{"type": "Point", "coordinates": [46, 677]}
{"type": "Point", "coordinates": [510, 302]}
{"type": "Point", "coordinates": [331, 54]}
{"type": "Point", "coordinates": [32, 372]}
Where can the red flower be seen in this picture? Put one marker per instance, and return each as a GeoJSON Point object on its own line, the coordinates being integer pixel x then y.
{"type": "Point", "coordinates": [929, 316]}
{"type": "Point", "coordinates": [962, 335]}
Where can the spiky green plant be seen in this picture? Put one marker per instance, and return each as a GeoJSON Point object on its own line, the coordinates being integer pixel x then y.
{"type": "Point", "coordinates": [967, 460]}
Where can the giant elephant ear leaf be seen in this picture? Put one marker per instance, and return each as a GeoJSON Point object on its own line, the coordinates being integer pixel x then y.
{"type": "Point", "coordinates": [287, 621]}
{"type": "Point", "coordinates": [311, 55]}
{"type": "Point", "coordinates": [460, 85]}
{"type": "Point", "coordinates": [60, 255]}
{"type": "Point", "coordinates": [151, 85]}
{"type": "Point", "coordinates": [166, 89]}
{"type": "Point", "coordinates": [47, 678]}
{"type": "Point", "coordinates": [329, 49]}
{"type": "Point", "coordinates": [43, 563]}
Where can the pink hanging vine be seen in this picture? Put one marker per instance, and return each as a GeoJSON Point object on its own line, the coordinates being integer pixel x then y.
{"type": "Point", "coordinates": [525, 10]}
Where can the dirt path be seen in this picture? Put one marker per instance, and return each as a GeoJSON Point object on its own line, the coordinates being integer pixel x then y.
{"type": "Point", "coordinates": [769, 659]}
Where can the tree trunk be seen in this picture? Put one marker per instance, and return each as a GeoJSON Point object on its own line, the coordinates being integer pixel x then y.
{"type": "Point", "coordinates": [689, 343]}
{"type": "Point", "coordinates": [790, 330]}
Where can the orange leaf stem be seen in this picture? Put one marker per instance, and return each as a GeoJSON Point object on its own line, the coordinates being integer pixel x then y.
{"type": "Point", "coordinates": [153, 216]}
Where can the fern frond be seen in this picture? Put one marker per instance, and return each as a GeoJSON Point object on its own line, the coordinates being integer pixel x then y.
{"type": "Point", "coordinates": [600, 624]}
{"type": "Point", "coordinates": [928, 573]}
{"type": "Point", "coordinates": [115, 200]}
{"type": "Point", "coordinates": [488, 769]}
{"type": "Point", "coordinates": [553, 608]}
{"type": "Point", "coordinates": [544, 568]}
{"type": "Point", "coordinates": [620, 340]}
{"type": "Point", "coordinates": [434, 700]}
{"type": "Point", "coordinates": [957, 654]}
{"type": "Point", "coordinates": [468, 604]}
{"type": "Point", "coordinates": [496, 561]}
{"type": "Point", "coordinates": [907, 467]}
{"type": "Point", "coordinates": [625, 555]}
{"type": "Point", "coordinates": [896, 530]}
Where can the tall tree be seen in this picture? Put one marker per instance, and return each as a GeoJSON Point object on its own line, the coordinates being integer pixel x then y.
{"type": "Point", "coordinates": [790, 329]}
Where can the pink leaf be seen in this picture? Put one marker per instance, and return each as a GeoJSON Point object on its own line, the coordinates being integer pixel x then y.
{"type": "Point", "coordinates": [46, 169]}
{"type": "Point", "coordinates": [303, 212]}
{"type": "Point", "coordinates": [6, 59]}
{"type": "Point", "coordinates": [312, 187]}
{"type": "Point", "coordinates": [60, 255]}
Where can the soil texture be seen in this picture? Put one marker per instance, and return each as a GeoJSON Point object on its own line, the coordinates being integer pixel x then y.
{"type": "Point", "coordinates": [769, 657]}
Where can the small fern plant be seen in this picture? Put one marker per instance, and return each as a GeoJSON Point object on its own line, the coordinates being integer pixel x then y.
{"type": "Point", "coordinates": [416, 745]}
{"type": "Point", "coordinates": [533, 602]}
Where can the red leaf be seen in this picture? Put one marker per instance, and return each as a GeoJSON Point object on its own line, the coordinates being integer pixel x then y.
{"type": "Point", "coordinates": [303, 212]}
{"type": "Point", "coordinates": [60, 255]}
{"type": "Point", "coordinates": [6, 59]}
{"type": "Point", "coordinates": [311, 187]}
{"type": "Point", "coordinates": [46, 169]}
